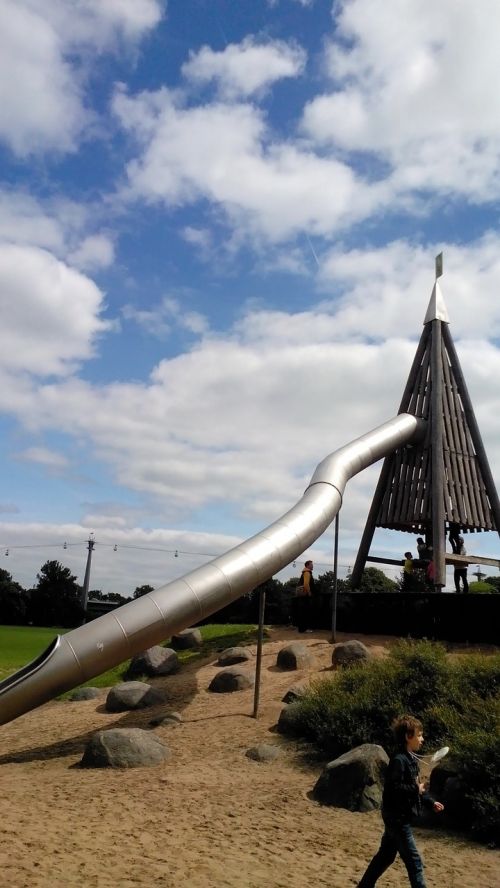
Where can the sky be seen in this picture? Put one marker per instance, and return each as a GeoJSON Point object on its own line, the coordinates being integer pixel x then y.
{"type": "Point", "coordinates": [218, 224]}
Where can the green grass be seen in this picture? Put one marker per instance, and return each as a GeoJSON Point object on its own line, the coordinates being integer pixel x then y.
{"type": "Point", "coordinates": [21, 644]}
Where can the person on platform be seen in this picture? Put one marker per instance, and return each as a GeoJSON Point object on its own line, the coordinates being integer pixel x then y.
{"type": "Point", "coordinates": [408, 577]}
{"type": "Point", "coordinates": [454, 537]}
{"type": "Point", "coordinates": [460, 571]}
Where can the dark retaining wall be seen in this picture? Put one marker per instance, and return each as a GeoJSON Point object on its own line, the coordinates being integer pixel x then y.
{"type": "Point", "coordinates": [441, 616]}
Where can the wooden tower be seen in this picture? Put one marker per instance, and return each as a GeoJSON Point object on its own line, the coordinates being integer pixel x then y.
{"type": "Point", "coordinates": [446, 479]}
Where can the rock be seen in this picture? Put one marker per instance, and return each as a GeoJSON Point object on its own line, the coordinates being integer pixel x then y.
{"type": "Point", "coordinates": [288, 720]}
{"type": "Point", "coordinates": [133, 695]}
{"type": "Point", "coordinates": [124, 748]}
{"type": "Point", "coordinates": [264, 752]}
{"type": "Point", "coordinates": [231, 679]}
{"type": "Point", "coordinates": [294, 656]}
{"type": "Point", "coordinates": [187, 639]}
{"type": "Point", "coordinates": [354, 780]}
{"type": "Point", "coordinates": [294, 694]}
{"type": "Point", "coordinates": [446, 785]}
{"type": "Point", "coordinates": [234, 655]}
{"type": "Point", "coordinates": [86, 694]}
{"type": "Point", "coordinates": [156, 660]}
{"type": "Point", "coordinates": [167, 719]}
{"type": "Point", "coordinates": [345, 653]}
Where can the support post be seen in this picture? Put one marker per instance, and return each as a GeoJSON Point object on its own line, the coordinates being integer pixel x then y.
{"type": "Point", "coordinates": [86, 581]}
{"type": "Point", "coordinates": [258, 663]}
{"type": "Point", "coordinates": [437, 473]}
{"type": "Point", "coordinates": [335, 574]}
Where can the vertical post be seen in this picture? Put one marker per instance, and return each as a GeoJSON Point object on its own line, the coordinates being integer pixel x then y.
{"type": "Point", "coordinates": [437, 474]}
{"type": "Point", "coordinates": [86, 581]}
{"type": "Point", "coordinates": [258, 663]}
{"type": "Point", "coordinates": [335, 572]}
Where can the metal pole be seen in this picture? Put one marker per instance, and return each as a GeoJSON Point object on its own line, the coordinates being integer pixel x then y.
{"type": "Point", "coordinates": [258, 663]}
{"type": "Point", "coordinates": [335, 567]}
{"type": "Point", "coordinates": [437, 477]}
{"type": "Point", "coordinates": [86, 581]}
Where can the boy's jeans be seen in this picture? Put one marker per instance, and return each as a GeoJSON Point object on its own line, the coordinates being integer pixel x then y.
{"type": "Point", "coordinates": [396, 839]}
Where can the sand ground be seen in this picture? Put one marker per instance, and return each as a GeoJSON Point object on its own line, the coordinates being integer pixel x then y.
{"type": "Point", "coordinates": [209, 817]}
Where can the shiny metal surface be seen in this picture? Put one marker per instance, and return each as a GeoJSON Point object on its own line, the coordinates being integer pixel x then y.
{"type": "Point", "coordinates": [97, 646]}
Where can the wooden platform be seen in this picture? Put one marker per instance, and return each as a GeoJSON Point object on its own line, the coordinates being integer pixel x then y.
{"type": "Point", "coordinates": [450, 559]}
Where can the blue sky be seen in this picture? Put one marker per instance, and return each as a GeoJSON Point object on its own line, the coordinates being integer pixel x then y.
{"type": "Point", "coordinates": [218, 224]}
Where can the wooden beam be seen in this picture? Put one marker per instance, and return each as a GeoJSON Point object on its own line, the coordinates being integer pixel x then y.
{"type": "Point", "coordinates": [472, 559]}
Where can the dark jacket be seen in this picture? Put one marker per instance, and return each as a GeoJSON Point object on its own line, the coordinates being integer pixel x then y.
{"type": "Point", "coordinates": [401, 799]}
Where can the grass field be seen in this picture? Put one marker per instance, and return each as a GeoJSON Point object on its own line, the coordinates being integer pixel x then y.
{"type": "Point", "coordinates": [21, 644]}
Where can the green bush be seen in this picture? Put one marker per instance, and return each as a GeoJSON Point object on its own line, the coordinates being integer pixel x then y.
{"type": "Point", "coordinates": [458, 702]}
{"type": "Point", "coordinates": [482, 588]}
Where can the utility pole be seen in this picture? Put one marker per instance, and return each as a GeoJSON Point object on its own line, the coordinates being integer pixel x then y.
{"type": "Point", "coordinates": [86, 582]}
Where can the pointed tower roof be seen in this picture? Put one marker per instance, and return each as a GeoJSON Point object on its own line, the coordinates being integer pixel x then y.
{"type": "Point", "coordinates": [436, 310]}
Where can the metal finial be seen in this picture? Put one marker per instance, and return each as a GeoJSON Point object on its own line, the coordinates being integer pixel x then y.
{"type": "Point", "coordinates": [439, 265]}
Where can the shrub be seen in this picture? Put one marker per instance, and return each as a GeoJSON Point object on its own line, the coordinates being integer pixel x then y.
{"type": "Point", "coordinates": [482, 588]}
{"type": "Point", "coordinates": [458, 702]}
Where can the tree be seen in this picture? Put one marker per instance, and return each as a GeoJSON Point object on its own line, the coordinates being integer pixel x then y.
{"type": "Point", "coordinates": [12, 600]}
{"type": "Point", "coordinates": [139, 591]}
{"type": "Point", "coordinates": [324, 584]}
{"type": "Point", "coordinates": [375, 580]}
{"type": "Point", "coordinates": [114, 596]}
{"type": "Point", "coordinates": [483, 588]}
{"type": "Point", "coordinates": [55, 600]}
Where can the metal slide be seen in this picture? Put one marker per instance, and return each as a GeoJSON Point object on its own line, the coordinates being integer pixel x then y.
{"type": "Point", "coordinates": [91, 649]}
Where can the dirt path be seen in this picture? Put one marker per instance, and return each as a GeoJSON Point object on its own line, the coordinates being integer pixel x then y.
{"type": "Point", "coordinates": [207, 818]}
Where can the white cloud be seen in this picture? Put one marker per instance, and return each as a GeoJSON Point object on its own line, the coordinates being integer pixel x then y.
{"type": "Point", "coordinates": [416, 88]}
{"type": "Point", "coordinates": [382, 286]}
{"type": "Point", "coordinates": [49, 313]}
{"type": "Point", "coordinates": [242, 419]}
{"type": "Point", "coordinates": [245, 68]}
{"type": "Point", "coordinates": [24, 220]}
{"type": "Point", "coordinates": [95, 251]}
{"type": "Point", "coordinates": [162, 319]}
{"type": "Point", "coordinates": [42, 46]}
{"type": "Point", "coordinates": [224, 153]}
{"type": "Point", "coordinates": [51, 459]}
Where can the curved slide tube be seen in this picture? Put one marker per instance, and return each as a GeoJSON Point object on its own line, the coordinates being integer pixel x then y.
{"type": "Point", "coordinates": [91, 649]}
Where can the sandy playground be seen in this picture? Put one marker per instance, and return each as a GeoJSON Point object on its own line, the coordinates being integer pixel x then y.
{"type": "Point", "coordinates": [209, 817]}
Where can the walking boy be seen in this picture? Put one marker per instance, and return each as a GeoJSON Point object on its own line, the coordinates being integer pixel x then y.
{"type": "Point", "coordinates": [401, 803]}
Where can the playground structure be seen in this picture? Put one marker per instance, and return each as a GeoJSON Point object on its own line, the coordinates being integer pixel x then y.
{"type": "Point", "coordinates": [445, 479]}
{"type": "Point", "coordinates": [414, 444]}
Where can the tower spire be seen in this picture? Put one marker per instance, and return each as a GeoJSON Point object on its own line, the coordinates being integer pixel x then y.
{"type": "Point", "coordinates": [437, 310]}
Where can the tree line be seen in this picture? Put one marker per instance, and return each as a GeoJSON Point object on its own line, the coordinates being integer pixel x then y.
{"type": "Point", "coordinates": [55, 599]}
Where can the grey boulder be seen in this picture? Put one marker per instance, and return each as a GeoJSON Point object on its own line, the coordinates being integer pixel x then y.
{"type": "Point", "coordinates": [234, 655]}
{"type": "Point", "coordinates": [294, 656]}
{"type": "Point", "coordinates": [133, 695]}
{"type": "Point", "coordinates": [156, 660]}
{"type": "Point", "coordinates": [345, 653]}
{"type": "Point", "coordinates": [354, 780]}
{"type": "Point", "coordinates": [231, 679]}
{"type": "Point", "coordinates": [188, 639]}
{"type": "Point", "coordinates": [264, 752]}
{"type": "Point", "coordinates": [124, 748]}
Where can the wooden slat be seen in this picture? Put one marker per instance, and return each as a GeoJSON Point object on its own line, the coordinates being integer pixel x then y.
{"type": "Point", "coordinates": [460, 446]}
